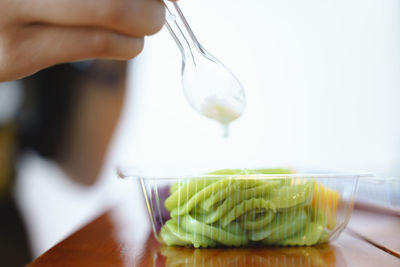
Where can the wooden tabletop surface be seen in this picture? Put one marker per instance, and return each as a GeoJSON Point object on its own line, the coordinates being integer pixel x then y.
{"type": "Point", "coordinates": [372, 239]}
{"type": "Point", "coordinates": [381, 229]}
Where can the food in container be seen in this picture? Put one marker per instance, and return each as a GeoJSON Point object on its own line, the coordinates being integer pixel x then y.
{"type": "Point", "coordinates": [249, 207]}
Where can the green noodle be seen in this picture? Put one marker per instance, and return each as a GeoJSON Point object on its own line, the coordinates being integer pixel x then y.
{"type": "Point", "coordinates": [242, 211]}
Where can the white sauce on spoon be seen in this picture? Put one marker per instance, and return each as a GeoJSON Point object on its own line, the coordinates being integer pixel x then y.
{"type": "Point", "coordinates": [220, 110]}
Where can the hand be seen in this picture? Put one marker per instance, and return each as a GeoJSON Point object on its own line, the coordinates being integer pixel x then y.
{"type": "Point", "coordinates": [35, 34]}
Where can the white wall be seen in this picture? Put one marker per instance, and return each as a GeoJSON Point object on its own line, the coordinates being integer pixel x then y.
{"type": "Point", "coordinates": [322, 80]}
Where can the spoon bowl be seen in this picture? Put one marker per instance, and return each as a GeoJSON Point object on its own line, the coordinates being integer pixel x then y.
{"type": "Point", "coordinates": [208, 85]}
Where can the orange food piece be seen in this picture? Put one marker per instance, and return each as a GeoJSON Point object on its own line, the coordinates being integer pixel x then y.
{"type": "Point", "coordinates": [326, 201]}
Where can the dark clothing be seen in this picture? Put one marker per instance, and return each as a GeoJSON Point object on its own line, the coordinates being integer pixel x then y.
{"type": "Point", "coordinates": [14, 247]}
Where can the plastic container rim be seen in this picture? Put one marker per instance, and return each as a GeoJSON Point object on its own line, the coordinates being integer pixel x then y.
{"type": "Point", "coordinates": [343, 175]}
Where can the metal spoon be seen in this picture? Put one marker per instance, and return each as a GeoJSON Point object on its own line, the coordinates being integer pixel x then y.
{"type": "Point", "coordinates": [209, 86]}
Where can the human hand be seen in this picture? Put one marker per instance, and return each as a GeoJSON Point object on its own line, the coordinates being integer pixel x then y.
{"type": "Point", "coordinates": [35, 34]}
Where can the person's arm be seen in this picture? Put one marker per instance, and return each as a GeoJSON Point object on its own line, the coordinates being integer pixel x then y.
{"type": "Point", "coordinates": [35, 34]}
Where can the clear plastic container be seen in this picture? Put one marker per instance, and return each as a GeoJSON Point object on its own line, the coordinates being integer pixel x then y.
{"type": "Point", "coordinates": [247, 210]}
{"type": "Point", "coordinates": [380, 194]}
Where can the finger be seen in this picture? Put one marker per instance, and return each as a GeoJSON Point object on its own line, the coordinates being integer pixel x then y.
{"type": "Point", "coordinates": [41, 46]}
{"type": "Point", "coordinates": [129, 17]}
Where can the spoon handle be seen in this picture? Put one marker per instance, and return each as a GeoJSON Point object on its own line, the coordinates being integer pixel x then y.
{"type": "Point", "coordinates": [180, 31]}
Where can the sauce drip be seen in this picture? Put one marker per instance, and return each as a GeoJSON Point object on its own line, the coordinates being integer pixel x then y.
{"type": "Point", "coordinates": [220, 110]}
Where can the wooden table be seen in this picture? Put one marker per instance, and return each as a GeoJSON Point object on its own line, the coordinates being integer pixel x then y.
{"type": "Point", "coordinates": [106, 242]}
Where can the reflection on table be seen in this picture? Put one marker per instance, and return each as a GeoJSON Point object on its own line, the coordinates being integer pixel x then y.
{"type": "Point", "coordinates": [161, 255]}
{"type": "Point", "coordinates": [283, 257]}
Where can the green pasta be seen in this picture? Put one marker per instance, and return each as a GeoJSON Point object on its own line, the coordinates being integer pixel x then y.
{"type": "Point", "coordinates": [310, 235]}
{"type": "Point", "coordinates": [173, 234]}
{"type": "Point", "coordinates": [291, 195]}
{"type": "Point", "coordinates": [243, 211]}
{"type": "Point", "coordinates": [230, 172]}
{"type": "Point", "coordinates": [208, 203]}
{"type": "Point", "coordinates": [245, 206]}
{"type": "Point", "coordinates": [254, 222]}
{"type": "Point", "coordinates": [215, 233]}
{"type": "Point", "coordinates": [175, 187]}
{"type": "Point", "coordinates": [185, 192]}
{"type": "Point", "coordinates": [283, 227]}
{"type": "Point", "coordinates": [200, 195]}
{"type": "Point", "coordinates": [234, 228]}
{"type": "Point", "coordinates": [261, 190]}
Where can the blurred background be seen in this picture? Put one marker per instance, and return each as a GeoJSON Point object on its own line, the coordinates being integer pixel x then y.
{"type": "Point", "coordinates": [322, 80]}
